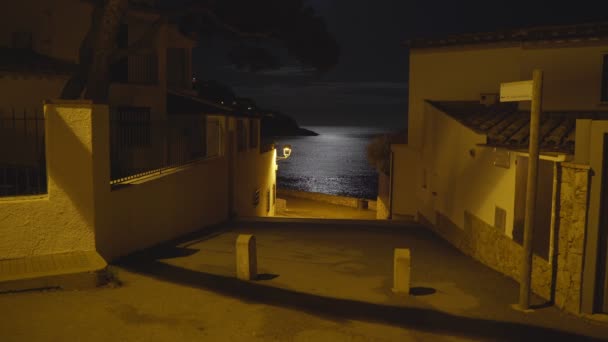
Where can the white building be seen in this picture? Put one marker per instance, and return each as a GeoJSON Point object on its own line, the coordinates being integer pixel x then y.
{"type": "Point", "coordinates": [463, 170]}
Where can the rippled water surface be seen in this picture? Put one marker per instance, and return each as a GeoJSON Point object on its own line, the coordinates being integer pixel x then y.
{"type": "Point", "coordinates": [334, 162]}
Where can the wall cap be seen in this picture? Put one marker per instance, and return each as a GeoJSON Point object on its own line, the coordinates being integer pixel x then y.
{"type": "Point", "coordinates": [572, 165]}
{"type": "Point", "coordinates": [68, 102]}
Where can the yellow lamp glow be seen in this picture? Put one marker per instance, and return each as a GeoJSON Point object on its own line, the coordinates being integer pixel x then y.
{"type": "Point", "coordinates": [286, 152]}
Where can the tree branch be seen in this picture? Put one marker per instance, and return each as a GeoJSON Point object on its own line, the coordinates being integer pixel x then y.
{"type": "Point", "coordinates": [232, 29]}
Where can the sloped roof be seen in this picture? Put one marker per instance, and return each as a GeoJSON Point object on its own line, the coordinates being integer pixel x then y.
{"type": "Point", "coordinates": [180, 103]}
{"type": "Point", "coordinates": [26, 61]}
{"type": "Point", "coordinates": [508, 127]}
{"type": "Point", "coordinates": [547, 34]}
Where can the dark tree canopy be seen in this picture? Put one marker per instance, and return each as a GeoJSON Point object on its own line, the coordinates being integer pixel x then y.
{"type": "Point", "coordinates": [260, 26]}
{"type": "Point", "coordinates": [256, 26]}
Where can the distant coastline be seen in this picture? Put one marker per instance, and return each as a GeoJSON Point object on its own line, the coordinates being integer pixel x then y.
{"type": "Point", "coordinates": [333, 163]}
{"type": "Point", "coordinates": [275, 124]}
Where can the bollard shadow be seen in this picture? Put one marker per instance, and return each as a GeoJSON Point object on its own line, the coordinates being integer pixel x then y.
{"type": "Point", "coordinates": [173, 252]}
{"type": "Point", "coordinates": [343, 310]}
{"type": "Point", "coordinates": [265, 276]}
{"type": "Point", "coordinates": [422, 291]}
{"type": "Point", "coordinates": [546, 304]}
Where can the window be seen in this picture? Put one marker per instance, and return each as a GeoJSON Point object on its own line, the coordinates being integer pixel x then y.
{"type": "Point", "coordinates": [253, 133]}
{"type": "Point", "coordinates": [268, 201]}
{"type": "Point", "coordinates": [138, 68]}
{"type": "Point", "coordinates": [274, 193]}
{"type": "Point", "coordinates": [130, 126]}
{"type": "Point", "coordinates": [143, 68]}
{"type": "Point", "coordinates": [604, 94]}
{"type": "Point", "coordinates": [241, 136]}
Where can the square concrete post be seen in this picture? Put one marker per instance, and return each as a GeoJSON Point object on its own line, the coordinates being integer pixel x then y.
{"type": "Point", "coordinates": [401, 271]}
{"type": "Point", "coordinates": [246, 258]}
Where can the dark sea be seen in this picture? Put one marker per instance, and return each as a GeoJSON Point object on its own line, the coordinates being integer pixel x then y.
{"type": "Point", "coordinates": [334, 162]}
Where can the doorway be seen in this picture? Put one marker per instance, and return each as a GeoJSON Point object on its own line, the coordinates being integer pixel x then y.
{"type": "Point", "coordinates": [602, 298]}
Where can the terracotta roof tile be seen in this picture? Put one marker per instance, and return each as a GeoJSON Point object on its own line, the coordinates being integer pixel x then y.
{"type": "Point", "coordinates": [545, 34]}
{"type": "Point", "coordinates": [507, 126]}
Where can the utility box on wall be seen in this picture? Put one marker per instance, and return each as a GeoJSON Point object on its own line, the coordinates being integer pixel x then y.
{"type": "Point", "coordinates": [502, 158]}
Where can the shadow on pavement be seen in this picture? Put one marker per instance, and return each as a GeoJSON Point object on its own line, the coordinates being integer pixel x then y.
{"type": "Point", "coordinates": [266, 276]}
{"type": "Point", "coordinates": [343, 310]}
{"type": "Point", "coordinates": [422, 291]}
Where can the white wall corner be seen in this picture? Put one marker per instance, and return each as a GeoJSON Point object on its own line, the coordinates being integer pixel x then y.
{"type": "Point", "coordinates": [582, 141]}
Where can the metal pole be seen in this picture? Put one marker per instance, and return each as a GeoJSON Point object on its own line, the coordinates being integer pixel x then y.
{"type": "Point", "coordinates": [526, 267]}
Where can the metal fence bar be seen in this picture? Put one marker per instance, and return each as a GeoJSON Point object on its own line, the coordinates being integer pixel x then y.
{"type": "Point", "coordinates": [142, 147]}
{"type": "Point", "coordinates": [22, 154]}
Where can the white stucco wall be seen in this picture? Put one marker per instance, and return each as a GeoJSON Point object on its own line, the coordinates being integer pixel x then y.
{"type": "Point", "coordinates": [159, 208]}
{"type": "Point", "coordinates": [162, 208]}
{"type": "Point", "coordinates": [254, 171]}
{"type": "Point", "coordinates": [460, 175]}
{"type": "Point", "coordinates": [63, 220]}
{"type": "Point", "coordinates": [571, 75]}
{"type": "Point", "coordinates": [58, 29]}
{"type": "Point", "coordinates": [572, 80]}
{"type": "Point", "coordinates": [82, 213]}
{"type": "Point", "coordinates": [455, 74]}
{"type": "Point", "coordinates": [57, 26]}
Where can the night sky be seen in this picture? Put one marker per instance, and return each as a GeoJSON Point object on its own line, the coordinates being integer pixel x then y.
{"type": "Point", "coordinates": [369, 85]}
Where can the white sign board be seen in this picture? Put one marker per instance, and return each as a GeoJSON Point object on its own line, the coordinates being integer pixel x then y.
{"type": "Point", "coordinates": [516, 91]}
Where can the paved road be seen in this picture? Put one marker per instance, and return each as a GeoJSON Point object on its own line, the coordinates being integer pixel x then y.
{"type": "Point", "coordinates": [320, 282]}
{"type": "Point", "coordinates": [306, 208]}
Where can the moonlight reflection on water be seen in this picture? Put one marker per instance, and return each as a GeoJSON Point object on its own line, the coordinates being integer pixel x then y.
{"type": "Point", "coordinates": [334, 162]}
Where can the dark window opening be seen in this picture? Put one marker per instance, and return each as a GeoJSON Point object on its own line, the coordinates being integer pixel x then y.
{"type": "Point", "coordinates": [604, 94]}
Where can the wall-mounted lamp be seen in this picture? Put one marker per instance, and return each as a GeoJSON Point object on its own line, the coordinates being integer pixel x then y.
{"type": "Point", "coordinates": [286, 152]}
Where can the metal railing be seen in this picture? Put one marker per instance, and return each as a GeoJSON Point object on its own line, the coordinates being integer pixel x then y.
{"type": "Point", "coordinates": [136, 69]}
{"type": "Point", "coordinates": [22, 153]}
{"type": "Point", "coordinates": [141, 147]}
{"type": "Point", "coordinates": [143, 69]}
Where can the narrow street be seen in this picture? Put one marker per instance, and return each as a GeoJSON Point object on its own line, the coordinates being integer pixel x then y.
{"type": "Point", "coordinates": [318, 282]}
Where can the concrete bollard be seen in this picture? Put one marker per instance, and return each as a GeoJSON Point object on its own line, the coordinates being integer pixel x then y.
{"type": "Point", "coordinates": [246, 257]}
{"type": "Point", "coordinates": [361, 203]}
{"type": "Point", "coordinates": [401, 271]}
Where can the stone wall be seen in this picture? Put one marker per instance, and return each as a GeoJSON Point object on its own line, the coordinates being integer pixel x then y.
{"type": "Point", "coordinates": [559, 278]}
{"type": "Point", "coordinates": [493, 248]}
{"type": "Point", "coordinates": [573, 203]}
